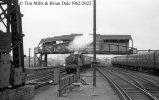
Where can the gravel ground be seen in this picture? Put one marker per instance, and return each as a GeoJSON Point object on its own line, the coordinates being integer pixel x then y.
{"type": "Point", "coordinates": [102, 91]}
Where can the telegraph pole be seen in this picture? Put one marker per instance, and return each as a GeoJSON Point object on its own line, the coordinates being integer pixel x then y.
{"type": "Point", "coordinates": [94, 43]}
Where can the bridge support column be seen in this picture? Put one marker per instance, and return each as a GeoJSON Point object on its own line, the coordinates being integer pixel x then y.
{"type": "Point", "coordinates": [45, 62]}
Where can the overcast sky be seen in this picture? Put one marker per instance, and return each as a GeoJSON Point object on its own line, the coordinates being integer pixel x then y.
{"type": "Point", "coordinates": [138, 18]}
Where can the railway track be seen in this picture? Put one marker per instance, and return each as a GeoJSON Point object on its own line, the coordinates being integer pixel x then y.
{"type": "Point", "coordinates": [147, 82]}
{"type": "Point", "coordinates": [41, 80]}
{"type": "Point", "coordinates": [140, 75]}
{"type": "Point", "coordinates": [146, 76]}
{"type": "Point", "coordinates": [42, 76]}
{"type": "Point", "coordinates": [154, 79]}
{"type": "Point", "coordinates": [128, 87]}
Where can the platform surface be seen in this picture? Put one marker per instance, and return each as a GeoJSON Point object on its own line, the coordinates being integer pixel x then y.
{"type": "Point", "coordinates": [102, 91]}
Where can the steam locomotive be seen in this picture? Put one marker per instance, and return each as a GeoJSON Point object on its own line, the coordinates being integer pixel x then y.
{"type": "Point", "coordinates": [77, 60]}
{"type": "Point", "coordinates": [149, 60]}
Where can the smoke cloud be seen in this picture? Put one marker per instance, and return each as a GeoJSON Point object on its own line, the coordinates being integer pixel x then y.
{"type": "Point", "coordinates": [80, 42]}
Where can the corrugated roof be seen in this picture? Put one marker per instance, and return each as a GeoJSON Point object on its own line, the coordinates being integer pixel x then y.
{"type": "Point", "coordinates": [71, 37]}
{"type": "Point", "coordinates": [59, 38]}
{"type": "Point", "coordinates": [118, 37]}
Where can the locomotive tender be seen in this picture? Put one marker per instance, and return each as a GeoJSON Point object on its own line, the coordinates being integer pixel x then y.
{"type": "Point", "coordinates": [149, 60]}
{"type": "Point", "coordinates": [77, 60]}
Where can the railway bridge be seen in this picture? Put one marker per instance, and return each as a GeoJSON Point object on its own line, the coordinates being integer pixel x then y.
{"type": "Point", "coordinates": [105, 44]}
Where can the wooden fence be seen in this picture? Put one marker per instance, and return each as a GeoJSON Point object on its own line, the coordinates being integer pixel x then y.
{"type": "Point", "coordinates": [66, 83]}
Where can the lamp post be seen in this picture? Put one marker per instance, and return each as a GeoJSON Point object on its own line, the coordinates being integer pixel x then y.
{"type": "Point", "coordinates": [94, 43]}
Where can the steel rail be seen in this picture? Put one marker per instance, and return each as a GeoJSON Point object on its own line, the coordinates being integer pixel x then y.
{"type": "Point", "coordinates": [152, 77]}
{"type": "Point", "coordinates": [31, 77]}
{"type": "Point", "coordinates": [141, 78]}
{"type": "Point", "coordinates": [40, 79]}
{"type": "Point", "coordinates": [138, 88]}
{"type": "Point", "coordinates": [120, 91]}
{"type": "Point", "coordinates": [139, 84]}
{"type": "Point", "coordinates": [148, 81]}
{"type": "Point", "coordinates": [148, 85]}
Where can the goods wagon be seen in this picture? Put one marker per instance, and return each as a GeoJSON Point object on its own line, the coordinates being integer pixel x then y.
{"type": "Point", "coordinates": [149, 60]}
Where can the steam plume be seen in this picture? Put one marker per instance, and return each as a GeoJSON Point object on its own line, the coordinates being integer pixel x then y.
{"type": "Point", "coordinates": [80, 42]}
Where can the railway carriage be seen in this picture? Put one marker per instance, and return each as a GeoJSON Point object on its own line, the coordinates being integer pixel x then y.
{"type": "Point", "coordinates": [149, 60]}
